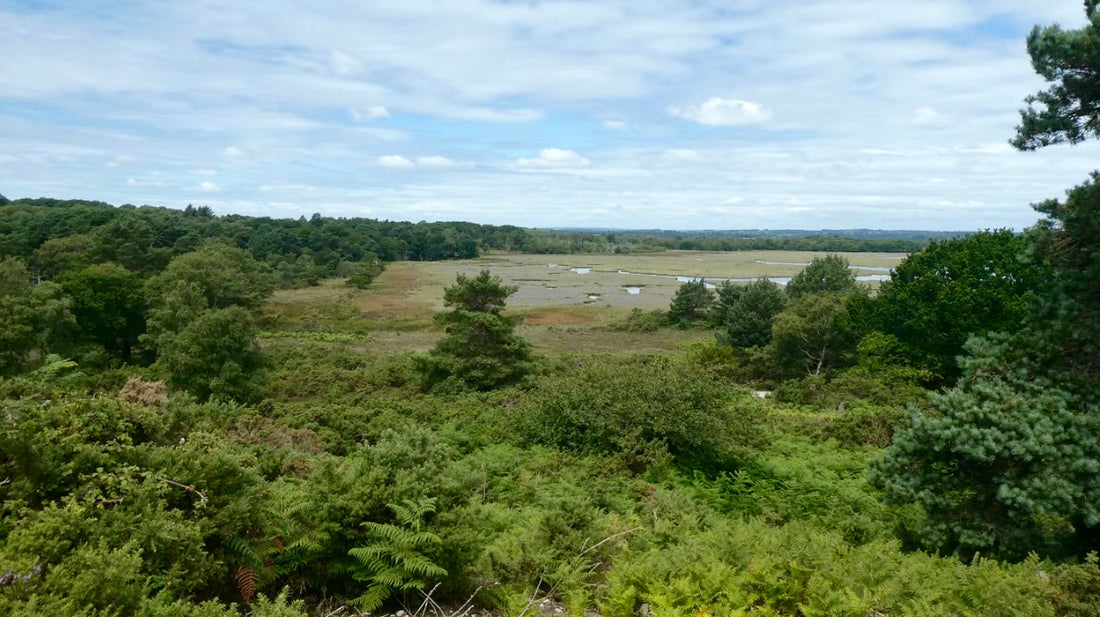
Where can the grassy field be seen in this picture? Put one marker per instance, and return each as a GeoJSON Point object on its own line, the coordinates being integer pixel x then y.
{"type": "Point", "coordinates": [566, 300]}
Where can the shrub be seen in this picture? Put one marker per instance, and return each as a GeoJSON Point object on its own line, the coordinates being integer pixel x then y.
{"type": "Point", "coordinates": [617, 406]}
{"type": "Point", "coordinates": [148, 393]}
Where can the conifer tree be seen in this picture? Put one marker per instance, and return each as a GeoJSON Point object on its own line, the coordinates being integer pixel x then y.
{"type": "Point", "coordinates": [480, 349]}
{"type": "Point", "coordinates": [1011, 462]}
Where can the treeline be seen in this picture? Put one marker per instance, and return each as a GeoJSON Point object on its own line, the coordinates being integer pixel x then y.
{"type": "Point", "coordinates": [565, 241]}
{"type": "Point", "coordinates": [55, 235]}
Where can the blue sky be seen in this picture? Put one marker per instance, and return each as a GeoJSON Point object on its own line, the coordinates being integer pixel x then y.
{"type": "Point", "coordinates": [610, 113]}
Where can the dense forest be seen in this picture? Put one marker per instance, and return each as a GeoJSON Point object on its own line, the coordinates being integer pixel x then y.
{"type": "Point", "coordinates": [173, 442]}
{"type": "Point", "coordinates": [52, 236]}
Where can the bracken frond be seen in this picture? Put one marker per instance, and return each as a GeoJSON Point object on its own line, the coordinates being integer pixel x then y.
{"type": "Point", "coordinates": [247, 580]}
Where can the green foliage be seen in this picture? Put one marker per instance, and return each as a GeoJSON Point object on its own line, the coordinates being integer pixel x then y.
{"type": "Point", "coordinates": [692, 303]}
{"type": "Point", "coordinates": [748, 312]}
{"type": "Point", "coordinates": [109, 307]}
{"type": "Point", "coordinates": [1068, 238]}
{"type": "Point", "coordinates": [937, 298]}
{"type": "Point", "coordinates": [814, 333]}
{"type": "Point", "coordinates": [480, 350]}
{"type": "Point", "coordinates": [363, 273]}
{"type": "Point", "coordinates": [1010, 462]}
{"type": "Point", "coordinates": [214, 355]}
{"type": "Point", "coordinates": [129, 240]}
{"type": "Point", "coordinates": [824, 275]}
{"type": "Point", "coordinates": [1007, 465]}
{"type": "Point", "coordinates": [752, 568]}
{"type": "Point", "coordinates": [224, 276]}
{"type": "Point", "coordinates": [483, 293]}
{"type": "Point", "coordinates": [279, 606]}
{"type": "Point", "coordinates": [1069, 110]}
{"type": "Point", "coordinates": [394, 561]}
{"type": "Point", "coordinates": [637, 409]}
{"type": "Point", "coordinates": [641, 321]}
{"type": "Point", "coordinates": [59, 255]}
{"type": "Point", "coordinates": [34, 320]}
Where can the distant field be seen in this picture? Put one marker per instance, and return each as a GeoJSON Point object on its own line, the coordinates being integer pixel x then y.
{"type": "Point", "coordinates": [550, 280]}
{"type": "Point", "coordinates": [565, 299]}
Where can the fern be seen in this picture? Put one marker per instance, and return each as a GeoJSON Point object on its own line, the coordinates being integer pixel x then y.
{"type": "Point", "coordinates": [394, 560]}
{"type": "Point", "coordinates": [247, 580]}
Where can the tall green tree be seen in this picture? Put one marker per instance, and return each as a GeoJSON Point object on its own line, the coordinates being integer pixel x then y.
{"type": "Point", "coordinates": [480, 349]}
{"type": "Point", "coordinates": [226, 276]}
{"type": "Point", "coordinates": [201, 324]}
{"type": "Point", "coordinates": [1069, 110]}
{"type": "Point", "coordinates": [1011, 463]}
{"type": "Point", "coordinates": [213, 355]}
{"type": "Point", "coordinates": [937, 298]}
{"type": "Point", "coordinates": [748, 313]}
{"type": "Point", "coordinates": [1007, 464]}
{"type": "Point", "coordinates": [109, 306]}
{"type": "Point", "coordinates": [692, 303]}
{"type": "Point", "coordinates": [828, 274]}
{"type": "Point", "coordinates": [35, 320]}
{"type": "Point", "coordinates": [814, 333]}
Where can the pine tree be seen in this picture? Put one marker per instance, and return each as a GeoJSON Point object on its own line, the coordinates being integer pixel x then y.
{"type": "Point", "coordinates": [480, 349]}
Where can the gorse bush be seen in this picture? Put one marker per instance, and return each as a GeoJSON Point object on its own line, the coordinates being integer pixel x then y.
{"type": "Point", "coordinates": [640, 407]}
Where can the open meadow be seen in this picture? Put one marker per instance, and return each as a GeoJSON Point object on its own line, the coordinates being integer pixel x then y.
{"type": "Point", "coordinates": [568, 301]}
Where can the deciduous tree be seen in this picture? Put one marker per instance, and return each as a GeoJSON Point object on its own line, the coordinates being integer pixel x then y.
{"type": "Point", "coordinates": [813, 333]}
{"type": "Point", "coordinates": [829, 274]}
{"type": "Point", "coordinates": [109, 307]}
{"type": "Point", "coordinates": [937, 298]}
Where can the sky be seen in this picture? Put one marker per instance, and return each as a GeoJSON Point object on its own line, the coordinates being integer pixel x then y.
{"type": "Point", "coordinates": [686, 114]}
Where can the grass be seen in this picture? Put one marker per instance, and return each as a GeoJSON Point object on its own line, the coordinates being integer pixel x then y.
{"type": "Point", "coordinates": [564, 311]}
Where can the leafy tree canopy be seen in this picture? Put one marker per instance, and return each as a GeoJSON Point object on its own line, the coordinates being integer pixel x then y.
{"type": "Point", "coordinates": [829, 274]}
{"type": "Point", "coordinates": [1010, 463]}
{"type": "Point", "coordinates": [225, 276]}
{"type": "Point", "coordinates": [937, 298]}
{"type": "Point", "coordinates": [215, 355]}
{"type": "Point", "coordinates": [109, 307]}
{"type": "Point", "coordinates": [814, 333]}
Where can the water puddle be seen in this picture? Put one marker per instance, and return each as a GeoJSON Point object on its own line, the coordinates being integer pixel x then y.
{"type": "Point", "coordinates": [633, 290]}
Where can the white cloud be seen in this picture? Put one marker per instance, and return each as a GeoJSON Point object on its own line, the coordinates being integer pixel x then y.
{"type": "Point", "coordinates": [849, 140]}
{"type": "Point", "coordinates": [929, 117]}
{"type": "Point", "coordinates": [553, 159]}
{"type": "Point", "coordinates": [394, 161]}
{"type": "Point", "coordinates": [682, 155]}
{"type": "Point", "coordinates": [207, 187]}
{"type": "Point", "coordinates": [344, 64]}
{"type": "Point", "coordinates": [723, 112]}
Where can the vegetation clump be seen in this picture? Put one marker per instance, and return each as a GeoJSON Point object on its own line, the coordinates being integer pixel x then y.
{"type": "Point", "coordinates": [480, 349]}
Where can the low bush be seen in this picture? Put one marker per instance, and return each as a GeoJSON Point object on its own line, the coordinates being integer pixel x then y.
{"type": "Point", "coordinates": [638, 406]}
